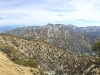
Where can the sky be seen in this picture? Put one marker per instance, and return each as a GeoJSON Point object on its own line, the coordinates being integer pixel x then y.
{"type": "Point", "coordinates": [80, 13]}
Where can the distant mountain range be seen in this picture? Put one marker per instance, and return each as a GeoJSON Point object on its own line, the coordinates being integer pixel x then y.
{"type": "Point", "coordinates": [78, 39]}
{"type": "Point", "coordinates": [90, 30]}
{"type": "Point", "coordinates": [8, 27]}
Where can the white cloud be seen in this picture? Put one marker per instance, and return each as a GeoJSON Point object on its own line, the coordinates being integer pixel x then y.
{"type": "Point", "coordinates": [51, 11]}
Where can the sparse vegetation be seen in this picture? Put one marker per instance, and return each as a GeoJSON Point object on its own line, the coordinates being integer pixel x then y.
{"type": "Point", "coordinates": [41, 72]}
{"type": "Point", "coordinates": [49, 57]}
{"type": "Point", "coordinates": [16, 56]}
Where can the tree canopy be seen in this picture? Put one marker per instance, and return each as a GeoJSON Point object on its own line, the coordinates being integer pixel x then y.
{"type": "Point", "coordinates": [96, 47]}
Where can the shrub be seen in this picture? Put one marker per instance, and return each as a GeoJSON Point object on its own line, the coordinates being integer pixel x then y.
{"type": "Point", "coordinates": [17, 57]}
{"type": "Point", "coordinates": [96, 47]}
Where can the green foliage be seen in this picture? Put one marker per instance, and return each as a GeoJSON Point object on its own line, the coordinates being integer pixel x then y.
{"type": "Point", "coordinates": [16, 56]}
{"type": "Point", "coordinates": [96, 47]}
{"type": "Point", "coordinates": [32, 63]}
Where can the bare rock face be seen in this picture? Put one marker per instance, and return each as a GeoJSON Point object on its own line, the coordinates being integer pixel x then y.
{"type": "Point", "coordinates": [74, 38]}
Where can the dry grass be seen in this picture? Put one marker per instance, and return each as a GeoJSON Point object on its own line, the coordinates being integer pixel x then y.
{"type": "Point", "coordinates": [9, 68]}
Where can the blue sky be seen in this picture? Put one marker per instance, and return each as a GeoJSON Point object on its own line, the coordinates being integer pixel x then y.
{"type": "Point", "coordinates": [41, 12]}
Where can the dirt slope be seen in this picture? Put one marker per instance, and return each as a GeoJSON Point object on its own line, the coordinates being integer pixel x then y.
{"type": "Point", "coordinates": [9, 68]}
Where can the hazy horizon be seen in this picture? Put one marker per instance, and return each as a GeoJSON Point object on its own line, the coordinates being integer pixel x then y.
{"type": "Point", "coordinates": [81, 13]}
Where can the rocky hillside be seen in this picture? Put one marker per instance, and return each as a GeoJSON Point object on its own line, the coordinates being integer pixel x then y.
{"type": "Point", "coordinates": [48, 56]}
{"type": "Point", "coordinates": [90, 30]}
{"type": "Point", "coordinates": [71, 37]}
{"type": "Point", "coordinates": [53, 60]}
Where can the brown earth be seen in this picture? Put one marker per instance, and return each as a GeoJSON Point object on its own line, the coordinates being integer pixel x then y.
{"type": "Point", "coordinates": [9, 68]}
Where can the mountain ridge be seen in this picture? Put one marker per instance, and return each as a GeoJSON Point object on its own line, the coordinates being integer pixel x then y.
{"type": "Point", "coordinates": [65, 36]}
{"type": "Point", "coordinates": [89, 30]}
